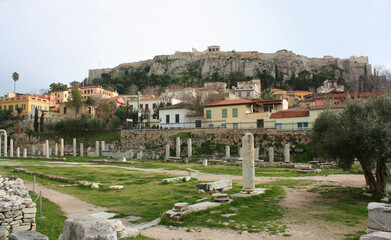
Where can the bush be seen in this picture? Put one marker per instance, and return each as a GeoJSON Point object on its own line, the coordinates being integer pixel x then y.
{"type": "Point", "coordinates": [84, 124]}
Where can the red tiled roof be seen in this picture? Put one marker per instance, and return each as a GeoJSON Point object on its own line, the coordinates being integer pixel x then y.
{"type": "Point", "coordinates": [156, 98]}
{"type": "Point", "coordinates": [230, 102]}
{"type": "Point", "coordinates": [352, 95]}
{"type": "Point", "coordinates": [291, 113]}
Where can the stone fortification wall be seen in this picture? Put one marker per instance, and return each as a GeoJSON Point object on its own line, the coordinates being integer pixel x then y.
{"type": "Point", "coordinates": [264, 138]}
{"type": "Point", "coordinates": [17, 210]}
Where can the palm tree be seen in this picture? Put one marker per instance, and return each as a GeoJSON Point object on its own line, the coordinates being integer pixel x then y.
{"type": "Point", "coordinates": [15, 76]}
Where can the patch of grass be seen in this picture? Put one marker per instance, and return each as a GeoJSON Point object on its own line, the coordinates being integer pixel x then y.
{"type": "Point", "coordinates": [355, 236]}
{"type": "Point", "coordinates": [139, 237]}
{"type": "Point", "coordinates": [345, 205]}
{"type": "Point", "coordinates": [107, 136]}
{"type": "Point", "coordinates": [182, 135]}
{"type": "Point", "coordinates": [52, 222]}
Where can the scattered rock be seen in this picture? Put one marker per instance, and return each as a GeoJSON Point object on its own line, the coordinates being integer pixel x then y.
{"type": "Point", "coordinates": [116, 187]}
{"type": "Point", "coordinates": [94, 186]}
{"type": "Point", "coordinates": [27, 235]}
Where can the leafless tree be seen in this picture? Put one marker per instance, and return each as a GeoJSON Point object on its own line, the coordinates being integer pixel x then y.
{"type": "Point", "coordinates": [151, 90]}
{"type": "Point", "coordinates": [196, 100]}
{"type": "Point", "coordinates": [132, 89]}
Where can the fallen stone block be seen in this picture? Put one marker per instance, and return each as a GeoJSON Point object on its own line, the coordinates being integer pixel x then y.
{"type": "Point", "coordinates": [128, 233]}
{"type": "Point", "coordinates": [220, 197]}
{"type": "Point", "coordinates": [88, 227]}
{"type": "Point", "coordinates": [116, 187]}
{"type": "Point", "coordinates": [27, 235]}
{"type": "Point", "coordinates": [221, 185]}
{"type": "Point", "coordinates": [176, 179]}
{"type": "Point", "coordinates": [3, 232]}
{"type": "Point", "coordinates": [377, 236]}
{"type": "Point", "coordinates": [379, 217]}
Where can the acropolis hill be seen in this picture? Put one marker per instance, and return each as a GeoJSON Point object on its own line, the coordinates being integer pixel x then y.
{"type": "Point", "coordinates": [213, 59]}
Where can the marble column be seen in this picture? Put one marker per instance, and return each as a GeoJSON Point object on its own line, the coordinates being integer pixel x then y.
{"type": "Point", "coordinates": [62, 147]}
{"type": "Point", "coordinates": [11, 148]}
{"type": "Point", "coordinates": [271, 154]}
{"type": "Point", "coordinates": [227, 152]}
{"type": "Point", "coordinates": [0, 146]}
{"type": "Point", "coordinates": [167, 151]}
{"type": "Point", "coordinates": [248, 166]}
{"type": "Point", "coordinates": [81, 150]}
{"type": "Point", "coordinates": [189, 148]}
{"type": "Point", "coordinates": [33, 150]}
{"type": "Point", "coordinates": [178, 147]}
{"type": "Point", "coordinates": [44, 149]}
{"type": "Point", "coordinates": [47, 153]}
{"type": "Point", "coordinates": [240, 152]}
{"type": "Point", "coordinates": [56, 149]}
{"type": "Point", "coordinates": [74, 147]}
{"type": "Point", "coordinates": [5, 146]}
{"type": "Point", "coordinates": [103, 146]}
{"type": "Point", "coordinates": [256, 154]}
{"type": "Point", "coordinates": [96, 148]}
{"type": "Point", "coordinates": [287, 153]}
{"type": "Point", "coordinates": [25, 152]}
{"type": "Point", "coordinates": [18, 152]}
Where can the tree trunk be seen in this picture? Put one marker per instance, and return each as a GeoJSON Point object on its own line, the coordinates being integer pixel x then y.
{"type": "Point", "coordinates": [370, 179]}
{"type": "Point", "coordinates": [381, 178]}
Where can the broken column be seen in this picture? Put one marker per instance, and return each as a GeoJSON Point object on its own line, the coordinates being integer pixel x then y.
{"type": "Point", "coordinates": [271, 154]}
{"type": "Point", "coordinates": [18, 152]}
{"type": "Point", "coordinates": [74, 147]}
{"type": "Point", "coordinates": [256, 154]}
{"type": "Point", "coordinates": [81, 150]}
{"type": "Point", "coordinates": [11, 148]}
{"type": "Point", "coordinates": [189, 148]}
{"type": "Point", "coordinates": [103, 146]}
{"type": "Point", "coordinates": [248, 169]}
{"type": "Point", "coordinates": [178, 147]}
{"type": "Point", "coordinates": [227, 152]}
{"type": "Point", "coordinates": [25, 152]}
{"type": "Point", "coordinates": [47, 153]}
{"type": "Point", "coordinates": [62, 147]}
{"type": "Point", "coordinates": [167, 151]}
{"type": "Point", "coordinates": [97, 149]}
{"type": "Point", "coordinates": [56, 149]}
{"type": "Point", "coordinates": [5, 145]}
{"type": "Point", "coordinates": [286, 153]}
{"type": "Point", "coordinates": [33, 150]}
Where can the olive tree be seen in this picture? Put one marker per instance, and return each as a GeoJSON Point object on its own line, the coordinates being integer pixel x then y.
{"type": "Point", "coordinates": [360, 132]}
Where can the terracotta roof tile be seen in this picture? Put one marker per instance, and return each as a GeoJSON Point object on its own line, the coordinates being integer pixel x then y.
{"type": "Point", "coordinates": [291, 113]}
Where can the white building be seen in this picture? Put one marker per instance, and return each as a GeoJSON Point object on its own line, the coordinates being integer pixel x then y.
{"type": "Point", "coordinates": [177, 116]}
{"type": "Point", "coordinates": [251, 89]}
{"type": "Point", "coordinates": [330, 86]}
{"type": "Point", "coordinates": [150, 104]}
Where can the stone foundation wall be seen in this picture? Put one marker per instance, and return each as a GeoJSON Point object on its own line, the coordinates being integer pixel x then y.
{"type": "Point", "coordinates": [17, 210]}
{"type": "Point", "coordinates": [264, 138]}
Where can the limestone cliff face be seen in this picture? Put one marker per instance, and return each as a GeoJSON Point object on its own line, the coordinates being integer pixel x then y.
{"type": "Point", "coordinates": [204, 64]}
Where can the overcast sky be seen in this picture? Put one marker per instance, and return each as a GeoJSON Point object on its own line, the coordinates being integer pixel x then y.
{"type": "Point", "coordinates": [49, 41]}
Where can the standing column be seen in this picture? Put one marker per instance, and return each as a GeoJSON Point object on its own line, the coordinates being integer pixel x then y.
{"type": "Point", "coordinates": [0, 145]}
{"type": "Point", "coordinates": [240, 152]}
{"type": "Point", "coordinates": [167, 151]}
{"type": "Point", "coordinates": [62, 147]}
{"type": "Point", "coordinates": [178, 147]}
{"type": "Point", "coordinates": [97, 149]}
{"type": "Point", "coordinates": [44, 149]}
{"type": "Point", "coordinates": [33, 150]}
{"type": "Point", "coordinates": [227, 152]}
{"type": "Point", "coordinates": [56, 149]}
{"type": "Point", "coordinates": [47, 149]}
{"type": "Point", "coordinates": [11, 148]}
{"type": "Point", "coordinates": [25, 152]}
{"type": "Point", "coordinates": [286, 153]}
{"type": "Point", "coordinates": [271, 154]}
{"type": "Point", "coordinates": [256, 154]}
{"type": "Point", "coordinates": [5, 145]}
{"type": "Point", "coordinates": [74, 147]}
{"type": "Point", "coordinates": [189, 148]}
{"type": "Point", "coordinates": [248, 169]}
{"type": "Point", "coordinates": [103, 146]}
{"type": "Point", "coordinates": [18, 152]}
{"type": "Point", "coordinates": [81, 150]}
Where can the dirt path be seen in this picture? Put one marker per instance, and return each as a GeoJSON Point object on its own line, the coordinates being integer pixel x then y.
{"type": "Point", "coordinates": [69, 204]}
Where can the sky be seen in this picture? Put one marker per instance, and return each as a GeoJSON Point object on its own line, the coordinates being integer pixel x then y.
{"type": "Point", "coordinates": [48, 41]}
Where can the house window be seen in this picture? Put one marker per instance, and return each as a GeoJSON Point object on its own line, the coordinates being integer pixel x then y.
{"type": "Point", "coordinates": [77, 110]}
{"type": "Point", "coordinates": [131, 107]}
{"type": "Point", "coordinates": [302, 125]}
{"type": "Point", "coordinates": [167, 118]}
{"type": "Point", "coordinates": [235, 126]}
{"type": "Point", "coordinates": [223, 125]}
{"type": "Point", "coordinates": [208, 114]}
{"type": "Point", "coordinates": [265, 109]}
{"type": "Point", "coordinates": [16, 107]}
{"type": "Point", "coordinates": [198, 123]}
{"type": "Point", "coordinates": [65, 110]}
{"type": "Point", "coordinates": [240, 94]}
{"type": "Point", "coordinates": [24, 106]}
{"type": "Point", "coordinates": [260, 123]}
{"type": "Point", "coordinates": [224, 113]}
{"type": "Point", "coordinates": [234, 112]}
{"type": "Point", "coordinates": [141, 106]}
{"type": "Point", "coordinates": [176, 118]}
{"type": "Point", "coordinates": [11, 108]}
{"type": "Point", "coordinates": [32, 106]}
{"type": "Point", "coordinates": [154, 106]}
{"type": "Point", "coordinates": [146, 106]}
{"type": "Point", "coordinates": [248, 94]}
{"type": "Point", "coordinates": [278, 126]}
{"type": "Point", "coordinates": [0, 107]}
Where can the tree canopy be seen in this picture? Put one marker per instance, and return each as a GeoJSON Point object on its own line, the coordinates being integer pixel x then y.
{"type": "Point", "coordinates": [361, 132]}
{"type": "Point", "coordinates": [58, 87]}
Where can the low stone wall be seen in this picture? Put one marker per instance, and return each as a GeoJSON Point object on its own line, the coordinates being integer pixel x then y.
{"type": "Point", "coordinates": [17, 210]}
{"type": "Point", "coordinates": [45, 176]}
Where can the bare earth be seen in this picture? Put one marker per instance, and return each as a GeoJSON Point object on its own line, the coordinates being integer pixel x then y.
{"type": "Point", "coordinates": [298, 200]}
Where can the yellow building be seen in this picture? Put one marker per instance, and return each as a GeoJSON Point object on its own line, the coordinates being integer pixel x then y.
{"type": "Point", "coordinates": [95, 92]}
{"type": "Point", "coordinates": [65, 111]}
{"type": "Point", "coordinates": [242, 113]}
{"type": "Point", "coordinates": [26, 102]}
{"type": "Point", "coordinates": [283, 93]}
